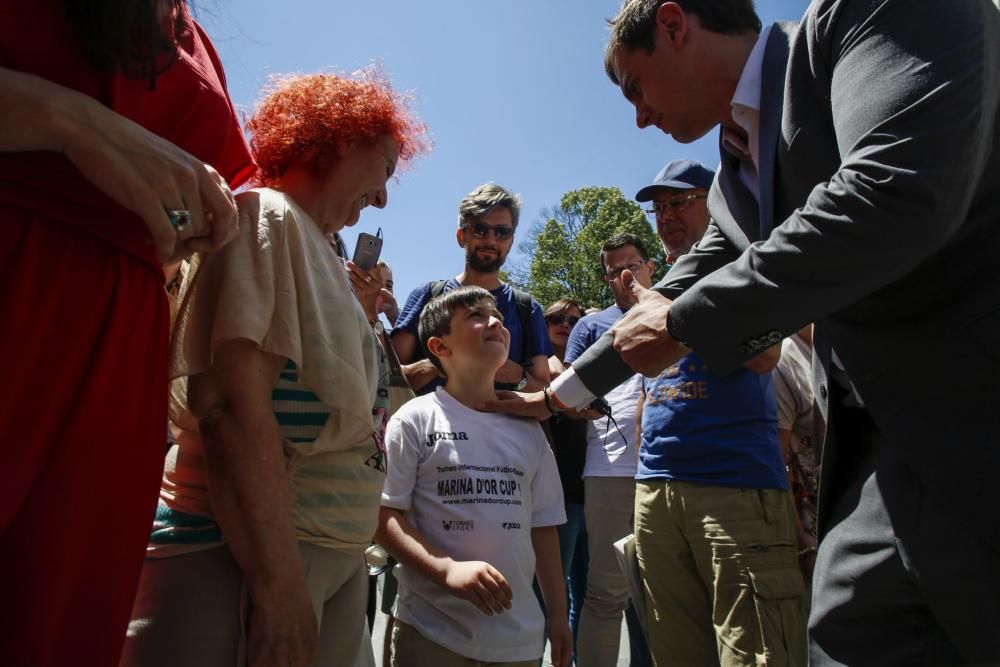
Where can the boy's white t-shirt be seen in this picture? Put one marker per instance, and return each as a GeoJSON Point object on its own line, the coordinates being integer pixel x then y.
{"type": "Point", "coordinates": [474, 484]}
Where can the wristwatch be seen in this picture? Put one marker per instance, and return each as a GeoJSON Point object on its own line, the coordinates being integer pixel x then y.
{"type": "Point", "coordinates": [377, 327]}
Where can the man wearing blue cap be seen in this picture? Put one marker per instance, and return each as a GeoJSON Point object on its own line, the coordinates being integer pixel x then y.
{"type": "Point", "coordinates": [679, 210]}
{"type": "Point", "coordinates": [711, 492]}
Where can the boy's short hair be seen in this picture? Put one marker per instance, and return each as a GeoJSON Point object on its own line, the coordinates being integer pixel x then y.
{"type": "Point", "coordinates": [435, 318]}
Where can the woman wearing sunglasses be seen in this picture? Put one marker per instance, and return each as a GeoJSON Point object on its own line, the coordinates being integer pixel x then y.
{"type": "Point", "coordinates": [569, 442]}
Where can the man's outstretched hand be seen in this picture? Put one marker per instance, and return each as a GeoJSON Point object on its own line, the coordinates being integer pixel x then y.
{"type": "Point", "coordinates": [519, 404]}
{"type": "Point", "coordinates": [641, 336]}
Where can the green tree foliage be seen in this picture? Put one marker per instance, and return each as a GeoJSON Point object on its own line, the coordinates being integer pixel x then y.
{"type": "Point", "coordinates": [561, 252]}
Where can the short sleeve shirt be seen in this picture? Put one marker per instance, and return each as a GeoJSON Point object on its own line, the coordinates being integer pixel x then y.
{"type": "Point", "coordinates": [474, 484]}
{"type": "Point", "coordinates": [524, 345]}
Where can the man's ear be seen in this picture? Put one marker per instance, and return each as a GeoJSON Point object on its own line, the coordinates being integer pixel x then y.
{"type": "Point", "coordinates": [671, 25]}
{"type": "Point", "coordinates": [438, 347]}
{"type": "Point", "coordinates": [460, 237]}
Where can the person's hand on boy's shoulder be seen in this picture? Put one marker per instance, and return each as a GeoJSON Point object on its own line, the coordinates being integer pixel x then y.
{"type": "Point", "coordinates": [481, 584]}
{"type": "Point", "coordinates": [561, 641]}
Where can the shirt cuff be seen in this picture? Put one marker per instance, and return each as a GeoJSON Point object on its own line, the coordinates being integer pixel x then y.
{"type": "Point", "coordinates": [571, 391]}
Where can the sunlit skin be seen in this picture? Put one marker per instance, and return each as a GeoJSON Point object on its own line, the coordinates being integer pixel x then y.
{"type": "Point", "coordinates": [615, 262]}
{"type": "Point", "coordinates": [684, 86]}
{"type": "Point", "coordinates": [680, 230]}
{"type": "Point", "coordinates": [559, 333]}
{"type": "Point", "coordinates": [355, 180]}
{"type": "Point", "coordinates": [477, 342]}
{"type": "Point", "coordinates": [486, 256]}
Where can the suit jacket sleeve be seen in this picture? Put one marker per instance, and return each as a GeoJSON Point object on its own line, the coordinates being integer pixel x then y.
{"type": "Point", "coordinates": [909, 90]}
{"type": "Point", "coordinates": [600, 368]}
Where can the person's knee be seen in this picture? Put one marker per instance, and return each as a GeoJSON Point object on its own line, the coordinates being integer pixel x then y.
{"type": "Point", "coordinates": [763, 591]}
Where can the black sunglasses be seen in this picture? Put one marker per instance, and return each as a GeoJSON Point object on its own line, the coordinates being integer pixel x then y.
{"type": "Point", "coordinates": [481, 231]}
{"type": "Point", "coordinates": [559, 318]}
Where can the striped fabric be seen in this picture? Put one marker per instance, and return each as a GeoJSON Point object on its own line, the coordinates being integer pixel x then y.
{"type": "Point", "coordinates": [335, 494]}
{"type": "Point", "coordinates": [300, 413]}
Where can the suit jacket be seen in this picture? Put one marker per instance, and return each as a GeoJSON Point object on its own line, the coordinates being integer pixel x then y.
{"type": "Point", "coordinates": [879, 220]}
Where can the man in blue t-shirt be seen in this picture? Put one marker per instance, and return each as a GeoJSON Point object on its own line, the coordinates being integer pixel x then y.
{"type": "Point", "coordinates": [487, 220]}
{"type": "Point", "coordinates": [714, 520]}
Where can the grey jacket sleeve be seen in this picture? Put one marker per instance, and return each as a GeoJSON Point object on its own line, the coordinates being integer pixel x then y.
{"type": "Point", "coordinates": [600, 368]}
{"type": "Point", "coordinates": [912, 91]}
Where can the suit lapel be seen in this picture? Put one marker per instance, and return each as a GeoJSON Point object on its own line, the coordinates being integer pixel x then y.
{"type": "Point", "coordinates": [739, 208]}
{"type": "Point", "coordinates": [771, 102]}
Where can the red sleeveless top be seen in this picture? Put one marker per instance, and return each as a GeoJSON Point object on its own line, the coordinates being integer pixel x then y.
{"type": "Point", "coordinates": [189, 107]}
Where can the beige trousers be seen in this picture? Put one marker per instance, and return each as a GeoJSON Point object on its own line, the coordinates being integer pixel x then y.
{"type": "Point", "coordinates": [411, 649]}
{"type": "Point", "coordinates": [190, 609]}
{"type": "Point", "coordinates": [608, 506]}
{"type": "Point", "coordinates": [721, 574]}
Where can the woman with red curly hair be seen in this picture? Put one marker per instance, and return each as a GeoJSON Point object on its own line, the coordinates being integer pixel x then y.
{"type": "Point", "coordinates": [280, 397]}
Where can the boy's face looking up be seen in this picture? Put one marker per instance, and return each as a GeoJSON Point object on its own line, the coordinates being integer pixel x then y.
{"type": "Point", "coordinates": [477, 340]}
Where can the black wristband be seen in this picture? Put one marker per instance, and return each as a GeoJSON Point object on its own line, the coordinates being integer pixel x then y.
{"type": "Point", "coordinates": [670, 330]}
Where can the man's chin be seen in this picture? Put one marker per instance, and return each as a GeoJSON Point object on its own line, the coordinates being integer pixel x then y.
{"type": "Point", "coordinates": [480, 266]}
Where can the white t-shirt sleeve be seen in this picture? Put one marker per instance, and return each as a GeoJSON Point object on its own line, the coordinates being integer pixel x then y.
{"type": "Point", "coordinates": [547, 506]}
{"type": "Point", "coordinates": [402, 451]}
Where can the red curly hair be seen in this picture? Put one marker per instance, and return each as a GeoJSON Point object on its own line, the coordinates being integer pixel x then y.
{"type": "Point", "coordinates": [304, 119]}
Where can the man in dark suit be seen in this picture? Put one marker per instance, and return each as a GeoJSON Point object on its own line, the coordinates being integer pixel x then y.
{"type": "Point", "coordinates": [859, 189]}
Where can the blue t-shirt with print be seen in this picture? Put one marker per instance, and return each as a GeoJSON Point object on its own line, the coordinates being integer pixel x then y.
{"type": "Point", "coordinates": [523, 345]}
{"type": "Point", "coordinates": [718, 430]}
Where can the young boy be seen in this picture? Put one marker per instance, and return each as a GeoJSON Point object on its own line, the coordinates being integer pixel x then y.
{"type": "Point", "coordinates": [470, 507]}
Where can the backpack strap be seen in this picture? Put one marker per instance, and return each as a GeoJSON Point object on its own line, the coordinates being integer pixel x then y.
{"type": "Point", "coordinates": [436, 290]}
{"type": "Point", "coordinates": [522, 300]}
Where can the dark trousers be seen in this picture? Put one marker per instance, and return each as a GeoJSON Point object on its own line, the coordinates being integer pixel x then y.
{"type": "Point", "coordinates": [899, 579]}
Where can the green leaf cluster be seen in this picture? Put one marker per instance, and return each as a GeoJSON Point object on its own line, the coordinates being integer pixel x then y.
{"type": "Point", "coordinates": [561, 253]}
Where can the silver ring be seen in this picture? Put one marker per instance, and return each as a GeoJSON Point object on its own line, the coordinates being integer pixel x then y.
{"type": "Point", "coordinates": [180, 218]}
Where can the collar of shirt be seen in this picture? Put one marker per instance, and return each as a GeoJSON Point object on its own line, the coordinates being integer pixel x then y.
{"type": "Point", "coordinates": [746, 106]}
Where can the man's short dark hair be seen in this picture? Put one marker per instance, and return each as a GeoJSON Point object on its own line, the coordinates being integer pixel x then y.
{"type": "Point", "coordinates": [435, 318]}
{"type": "Point", "coordinates": [620, 240]}
{"type": "Point", "coordinates": [480, 202]}
{"type": "Point", "coordinates": [634, 26]}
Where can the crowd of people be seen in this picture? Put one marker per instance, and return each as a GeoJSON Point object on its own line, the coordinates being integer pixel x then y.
{"type": "Point", "coordinates": [742, 462]}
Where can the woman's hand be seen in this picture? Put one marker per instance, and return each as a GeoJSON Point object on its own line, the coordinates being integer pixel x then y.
{"type": "Point", "coordinates": [367, 287]}
{"type": "Point", "coordinates": [143, 172]}
{"type": "Point", "coordinates": [283, 630]}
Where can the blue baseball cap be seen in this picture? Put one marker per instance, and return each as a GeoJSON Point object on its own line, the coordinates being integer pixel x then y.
{"type": "Point", "coordinates": [678, 175]}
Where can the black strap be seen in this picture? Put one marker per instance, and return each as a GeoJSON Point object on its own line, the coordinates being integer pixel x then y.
{"type": "Point", "coordinates": [522, 300]}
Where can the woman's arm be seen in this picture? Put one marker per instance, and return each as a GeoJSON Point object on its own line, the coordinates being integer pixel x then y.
{"type": "Point", "coordinates": [248, 489]}
{"type": "Point", "coordinates": [138, 169]}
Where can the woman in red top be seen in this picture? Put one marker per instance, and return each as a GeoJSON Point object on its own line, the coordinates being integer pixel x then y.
{"type": "Point", "coordinates": [111, 110]}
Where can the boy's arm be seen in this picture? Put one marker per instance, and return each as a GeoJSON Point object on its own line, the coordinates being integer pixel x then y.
{"type": "Point", "coordinates": [476, 581]}
{"type": "Point", "coordinates": [548, 571]}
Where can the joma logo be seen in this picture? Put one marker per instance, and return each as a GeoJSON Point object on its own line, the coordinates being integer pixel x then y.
{"type": "Point", "coordinates": [445, 435]}
{"type": "Point", "coordinates": [507, 525]}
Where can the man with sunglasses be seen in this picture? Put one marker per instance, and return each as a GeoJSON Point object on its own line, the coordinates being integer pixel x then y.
{"type": "Point", "coordinates": [487, 220]}
{"type": "Point", "coordinates": [610, 465]}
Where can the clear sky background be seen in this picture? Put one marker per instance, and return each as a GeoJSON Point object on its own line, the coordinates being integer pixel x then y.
{"type": "Point", "coordinates": [512, 91]}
